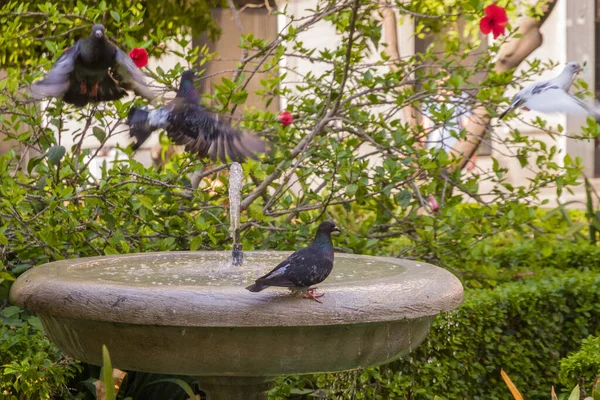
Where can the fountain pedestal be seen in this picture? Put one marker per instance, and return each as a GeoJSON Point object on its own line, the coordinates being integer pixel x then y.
{"type": "Point", "coordinates": [235, 387]}
{"type": "Point", "coordinates": [187, 313]}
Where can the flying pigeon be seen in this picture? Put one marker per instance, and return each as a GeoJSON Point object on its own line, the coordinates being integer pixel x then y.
{"type": "Point", "coordinates": [93, 70]}
{"type": "Point", "coordinates": [552, 95]}
{"type": "Point", "coordinates": [188, 123]}
{"type": "Point", "coordinates": [305, 267]}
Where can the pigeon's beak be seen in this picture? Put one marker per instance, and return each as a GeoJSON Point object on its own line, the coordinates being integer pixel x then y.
{"type": "Point", "coordinates": [580, 69]}
{"type": "Point", "coordinates": [99, 33]}
{"type": "Point", "coordinates": [336, 229]}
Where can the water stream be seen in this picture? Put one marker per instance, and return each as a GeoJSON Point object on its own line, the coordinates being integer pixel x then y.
{"type": "Point", "coordinates": [236, 178]}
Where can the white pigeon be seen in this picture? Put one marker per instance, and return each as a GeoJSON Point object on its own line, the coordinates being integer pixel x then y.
{"type": "Point", "coordinates": [552, 96]}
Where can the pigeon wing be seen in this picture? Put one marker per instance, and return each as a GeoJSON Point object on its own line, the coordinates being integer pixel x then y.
{"type": "Point", "coordinates": [57, 81]}
{"type": "Point", "coordinates": [202, 133]}
{"type": "Point", "coordinates": [555, 100]}
{"type": "Point", "coordinates": [130, 76]}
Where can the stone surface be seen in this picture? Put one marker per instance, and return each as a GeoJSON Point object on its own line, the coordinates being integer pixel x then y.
{"type": "Point", "coordinates": [202, 289]}
{"type": "Point", "coordinates": [188, 313]}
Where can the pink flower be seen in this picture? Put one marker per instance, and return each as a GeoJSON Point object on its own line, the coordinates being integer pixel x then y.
{"type": "Point", "coordinates": [286, 118]}
{"type": "Point", "coordinates": [495, 21]}
{"type": "Point", "coordinates": [139, 57]}
{"type": "Point", "coordinates": [434, 204]}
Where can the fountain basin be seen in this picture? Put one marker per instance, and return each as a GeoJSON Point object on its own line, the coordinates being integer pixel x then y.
{"type": "Point", "coordinates": [187, 313]}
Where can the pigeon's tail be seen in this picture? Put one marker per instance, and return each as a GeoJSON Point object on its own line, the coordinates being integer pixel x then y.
{"type": "Point", "coordinates": [514, 104]}
{"type": "Point", "coordinates": [139, 126]}
{"type": "Point", "coordinates": [257, 287]}
{"type": "Point", "coordinates": [81, 92]}
{"type": "Point", "coordinates": [505, 112]}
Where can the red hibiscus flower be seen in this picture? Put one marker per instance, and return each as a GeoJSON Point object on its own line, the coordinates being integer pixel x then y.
{"type": "Point", "coordinates": [139, 57]}
{"type": "Point", "coordinates": [495, 21]}
{"type": "Point", "coordinates": [286, 118]}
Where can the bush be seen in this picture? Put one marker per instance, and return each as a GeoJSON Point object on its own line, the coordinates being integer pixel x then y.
{"type": "Point", "coordinates": [583, 366]}
{"type": "Point", "coordinates": [524, 328]}
{"type": "Point", "coordinates": [508, 257]}
{"type": "Point", "coordinates": [31, 366]}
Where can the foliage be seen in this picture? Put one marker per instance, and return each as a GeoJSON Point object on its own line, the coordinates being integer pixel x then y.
{"type": "Point", "coordinates": [54, 208]}
{"type": "Point", "coordinates": [31, 366]}
{"type": "Point", "coordinates": [35, 29]}
{"type": "Point", "coordinates": [582, 366]}
{"type": "Point", "coordinates": [525, 327]}
{"type": "Point", "coordinates": [348, 155]}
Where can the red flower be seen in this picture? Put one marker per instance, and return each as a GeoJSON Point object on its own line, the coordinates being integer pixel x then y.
{"type": "Point", "coordinates": [286, 118]}
{"type": "Point", "coordinates": [139, 57]}
{"type": "Point", "coordinates": [433, 202]}
{"type": "Point", "coordinates": [495, 21]}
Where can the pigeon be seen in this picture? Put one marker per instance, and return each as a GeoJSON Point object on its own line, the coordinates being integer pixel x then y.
{"type": "Point", "coordinates": [187, 123]}
{"type": "Point", "coordinates": [94, 70]}
{"type": "Point", "coordinates": [552, 95]}
{"type": "Point", "coordinates": [305, 267]}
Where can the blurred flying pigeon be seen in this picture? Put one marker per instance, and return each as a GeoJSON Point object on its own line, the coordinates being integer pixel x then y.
{"type": "Point", "coordinates": [552, 96]}
{"type": "Point", "coordinates": [188, 123]}
{"type": "Point", "coordinates": [93, 70]}
{"type": "Point", "coordinates": [305, 267]}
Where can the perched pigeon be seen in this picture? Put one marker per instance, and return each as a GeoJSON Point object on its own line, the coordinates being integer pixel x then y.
{"type": "Point", "coordinates": [552, 96]}
{"type": "Point", "coordinates": [188, 123]}
{"type": "Point", "coordinates": [305, 267]}
{"type": "Point", "coordinates": [93, 70]}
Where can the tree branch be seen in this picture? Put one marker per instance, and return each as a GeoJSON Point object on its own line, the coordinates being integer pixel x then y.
{"type": "Point", "coordinates": [390, 33]}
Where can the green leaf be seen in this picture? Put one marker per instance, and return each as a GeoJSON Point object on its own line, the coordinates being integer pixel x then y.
{"type": "Point", "coordinates": [404, 198]}
{"type": "Point", "coordinates": [109, 250]}
{"type": "Point", "coordinates": [239, 97]}
{"type": "Point", "coordinates": [3, 240]}
{"type": "Point", "coordinates": [55, 154]}
{"type": "Point", "coordinates": [10, 311]}
{"type": "Point", "coordinates": [35, 322]}
{"type": "Point", "coordinates": [351, 189]}
{"type": "Point", "coordinates": [33, 162]}
{"type": "Point", "coordinates": [99, 133]}
{"type": "Point", "coordinates": [196, 243]}
{"type": "Point", "coordinates": [575, 394]}
{"type": "Point", "coordinates": [107, 373]}
{"type": "Point", "coordinates": [181, 383]}
{"type": "Point", "coordinates": [115, 15]}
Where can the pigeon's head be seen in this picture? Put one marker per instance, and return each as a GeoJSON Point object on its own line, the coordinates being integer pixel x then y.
{"type": "Point", "coordinates": [327, 227]}
{"type": "Point", "coordinates": [188, 75]}
{"type": "Point", "coordinates": [574, 67]}
{"type": "Point", "coordinates": [98, 31]}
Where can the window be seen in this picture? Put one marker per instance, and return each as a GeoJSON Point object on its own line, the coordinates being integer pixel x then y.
{"type": "Point", "coordinates": [255, 20]}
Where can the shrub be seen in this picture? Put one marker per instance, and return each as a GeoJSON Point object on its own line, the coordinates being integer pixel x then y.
{"type": "Point", "coordinates": [583, 366]}
{"type": "Point", "coordinates": [525, 328]}
{"type": "Point", "coordinates": [31, 366]}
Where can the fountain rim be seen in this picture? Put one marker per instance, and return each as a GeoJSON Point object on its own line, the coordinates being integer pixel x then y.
{"type": "Point", "coordinates": [422, 291]}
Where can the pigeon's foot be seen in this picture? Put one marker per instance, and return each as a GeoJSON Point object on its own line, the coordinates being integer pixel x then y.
{"type": "Point", "coordinates": [525, 108]}
{"type": "Point", "coordinates": [83, 87]}
{"type": "Point", "coordinates": [310, 294]}
{"type": "Point", "coordinates": [94, 91]}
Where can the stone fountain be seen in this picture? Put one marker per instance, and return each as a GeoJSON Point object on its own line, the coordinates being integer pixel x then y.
{"type": "Point", "coordinates": [187, 313]}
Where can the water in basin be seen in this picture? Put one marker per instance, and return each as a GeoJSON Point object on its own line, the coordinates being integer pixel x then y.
{"type": "Point", "coordinates": [215, 268]}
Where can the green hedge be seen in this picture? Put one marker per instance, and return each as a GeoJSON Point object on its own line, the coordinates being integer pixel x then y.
{"type": "Point", "coordinates": [583, 366]}
{"type": "Point", "coordinates": [504, 259]}
{"type": "Point", "coordinates": [524, 328]}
